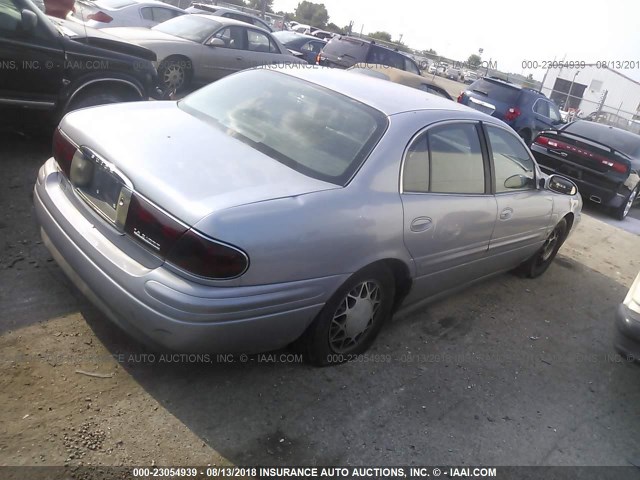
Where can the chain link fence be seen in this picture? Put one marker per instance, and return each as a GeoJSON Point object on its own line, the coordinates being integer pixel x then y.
{"type": "Point", "coordinates": [574, 107]}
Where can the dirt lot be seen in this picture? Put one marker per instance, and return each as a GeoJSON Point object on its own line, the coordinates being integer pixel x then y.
{"type": "Point", "coordinates": [509, 372]}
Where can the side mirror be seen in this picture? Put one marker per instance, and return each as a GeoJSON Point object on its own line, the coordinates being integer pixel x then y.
{"type": "Point", "coordinates": [29, 21]}
{"type": "Point", "coordinates": [516, 181]}
{"type": "Point", "coordinates": [216, 42]}
{"type": "Point", "coordinates": [559, 184]}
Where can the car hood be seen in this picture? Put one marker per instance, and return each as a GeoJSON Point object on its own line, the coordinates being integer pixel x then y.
{"type": "Point", "coordinates": [81, 33]}
{"type": "Point", "coordinates": [184, 165]}
{"type": "Point", "coordinates": [141, 36]}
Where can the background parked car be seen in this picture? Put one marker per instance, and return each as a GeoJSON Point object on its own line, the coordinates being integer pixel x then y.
{"type": "Point", "coordinates": [214, 10]}
{"type": "Point", "coordinates": [79, 67]}
{"type": "Point", "coordinates": [124, 13]}
{"type": "Point", "coordinates": [199, 49]}
{"type": "Point", "coordinates": [604, 161]}
{"type": "Point", "coordinates": [627, 331]}
{"type": "Point", "coordinates": [527, 111]}
{"type": "Point", "coordinates": [323, 34]}
{"type": "Point", "coordinates": [343, 51]}
{"type": "Point", "coordinates": [469, 76]}
{"type": "Point", "coordinates": [302, 46]}
{"type": "Point", "coordinates": [452, 74]}
{"type": "Point", "coordinates": [400, 76]}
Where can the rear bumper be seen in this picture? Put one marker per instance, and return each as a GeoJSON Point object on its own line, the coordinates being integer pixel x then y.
{"type": "Point", "coordinates": [613, 196]}
{"type": "Point", "coordinates": [161, 308]}
{"type": "Point", "coordinates": [627, 332]}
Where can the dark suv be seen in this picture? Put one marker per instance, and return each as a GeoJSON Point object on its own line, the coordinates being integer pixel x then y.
{"type": "Point", "coordinates": [527, 111]}
{"type": "Point", "coordinates": [343, 51]}
{"type": "Point", "coordinates": [51, 66]}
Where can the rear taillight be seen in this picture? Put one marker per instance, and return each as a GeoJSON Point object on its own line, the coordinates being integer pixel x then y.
{"type": "Point", "coordinates": [151, 226]}
{"type": "Point", "coordinates": [318, 58]}
{"type": "Point", "coordinates": [208, 258]}
{"type": "Point", "coordinates": [617, 166]}
{"type": "Point", "coordinates": [560, 145]}
{"type": "Point", "coordinates": [63, 151]}
{"type": "Point", "coordinates": [99, 17]}
{"type": "Point", "coordinates": [512, 114]}
{"type": "Point", "coordinates": [181, 246]}
{"type": "Point", "coordinates": [460, 97]}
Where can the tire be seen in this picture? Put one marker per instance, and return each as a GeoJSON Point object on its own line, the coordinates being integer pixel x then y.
{"type": "Point", "coordinates": [175, 73]}
{"type": "Point", "coordinates": [334, 336]}
{"type": "Point", "coordinates": [525, 134]}
{"type": "Point", "coordinates": [623, 210]}
{"type": "Point", "coordinates": [540, 261]}
{"type": "Point", "coordinates": [93, 99]}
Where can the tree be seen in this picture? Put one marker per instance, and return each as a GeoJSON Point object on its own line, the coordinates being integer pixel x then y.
{"type": "Point", "coordinates": [256, 4]}
{"type": "Point", "coordinates": [474, 60]}
{"type": "Point", "coordinates": [332, 27]}
{"type": "Point", "coordinates": [384, 36]}
{"type": "Point", "coordinates": [314, 14]}
{"type": "Point", "coordinates": [431, 51]}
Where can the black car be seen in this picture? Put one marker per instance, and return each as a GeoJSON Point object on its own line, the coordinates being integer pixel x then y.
{"type": "Point", "coordinates": [51, 66]}
{"type": "Point", "coordinates": [603, 161]}
{"type": "Point", "coordinates": [344, 51]}
{"type": "Point", "coordinates": [302, 46]}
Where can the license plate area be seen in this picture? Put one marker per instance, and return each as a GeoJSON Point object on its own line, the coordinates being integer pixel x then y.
{"type": "Point", "coordinates": [102, 186]}
{"type": "Point", "coordinates": [481, 106]}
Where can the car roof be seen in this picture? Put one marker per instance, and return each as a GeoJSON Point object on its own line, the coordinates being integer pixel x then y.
{"type": "Point", "coordinates": [228, 21]}
{"type": "Point", "coordinates": [388, 97]}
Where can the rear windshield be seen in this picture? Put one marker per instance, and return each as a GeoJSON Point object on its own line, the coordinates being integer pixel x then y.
{"type": "Point", "coordinates": [313, 130]}
{"type": "Point", "coordinates": [495, 90]}
{"type": "Point", "coordinates": [189, 27]}
{"type": "Point", "coordinates": [621, 140]}
{"type": "Point", "coordinates": [347, 47]}
{"type": "Point", "coordinates": [288, 38]}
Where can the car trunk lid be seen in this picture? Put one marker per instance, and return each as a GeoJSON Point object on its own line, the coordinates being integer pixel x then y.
{"type": "Point", "coordinates": [183, 165]}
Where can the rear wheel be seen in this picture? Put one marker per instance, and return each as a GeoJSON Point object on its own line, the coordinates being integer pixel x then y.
{"type": "Point", "coordinates": [351, 319]}
{"type": "Point", "coordinates": [540, 261]}
{"type": "Point", "coordinates": [623, 210]}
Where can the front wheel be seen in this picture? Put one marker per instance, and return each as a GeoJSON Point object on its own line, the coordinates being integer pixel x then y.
{"type": "Point", "coordinates": [540, 261]}
{"type": "Point", "coordinates": [351, 319]}
{"type": "Point", "coordinates": [623, 210]}
{"type": "Point", "coordinates": [175, 74]}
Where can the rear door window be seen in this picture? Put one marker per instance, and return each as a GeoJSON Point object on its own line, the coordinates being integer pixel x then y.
{"type": "Point", "coordinates": [384, 56]}
{"type": "Point", "coordinates": [445, 159]}
{"type": "Point", "coordinates": [541, 107]}
{"type": "Point", "coordinates": [410, 66]}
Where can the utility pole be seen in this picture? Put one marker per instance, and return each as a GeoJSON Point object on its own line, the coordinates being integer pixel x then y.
{"type": "Point", "coordinates": [566, 105]}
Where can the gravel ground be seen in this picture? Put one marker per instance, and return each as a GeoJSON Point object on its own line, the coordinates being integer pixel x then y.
{"type": "Point", "coordinates": [508, 372]}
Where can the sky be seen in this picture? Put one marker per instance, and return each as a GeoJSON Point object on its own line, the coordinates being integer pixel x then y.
{"type": "Point", "coordinates": [509, 32]}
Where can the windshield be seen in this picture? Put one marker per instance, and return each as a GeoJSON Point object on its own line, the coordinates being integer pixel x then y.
{"type": "Point", "coordinates": [189, 27]}
{"type": "Point", "coordinates": [312, 130]}
{"type": "Point", "coordinates": [625, 142]}
{"type": "Point", "coordinates": [496, 91]}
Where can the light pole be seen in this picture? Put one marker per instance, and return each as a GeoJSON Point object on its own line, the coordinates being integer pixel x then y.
{"type": "Point", "coordinates": [569, 92]}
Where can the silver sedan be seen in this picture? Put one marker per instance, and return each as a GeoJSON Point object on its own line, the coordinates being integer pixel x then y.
{"type": "Point", "coordinates": [200, 49]}
{"type": "Point", "coordinates": [291, 205]}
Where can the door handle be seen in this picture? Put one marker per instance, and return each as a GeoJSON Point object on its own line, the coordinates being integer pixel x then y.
{"type": "Point", "coordinates": [239, 58]}
{"type": "Point", "coordinates": [421, 224]}
{"type": "Point", "coordinates": [506, 214]}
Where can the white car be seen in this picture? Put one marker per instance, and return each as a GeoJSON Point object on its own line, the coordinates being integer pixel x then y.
{"type": "Point", "coordinates": [123, 13]}
{"type": "Point", "coordinates": [627, 331]}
